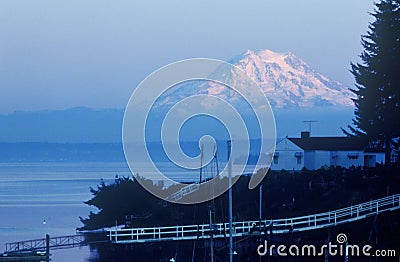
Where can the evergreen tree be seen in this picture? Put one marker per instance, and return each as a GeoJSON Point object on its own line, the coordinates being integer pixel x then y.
{"type": "Point", "coordinates": [377, 89]}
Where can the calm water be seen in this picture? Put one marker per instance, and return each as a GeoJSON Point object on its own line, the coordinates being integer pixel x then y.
{"type": "Point", "coordinates": [47, 198]}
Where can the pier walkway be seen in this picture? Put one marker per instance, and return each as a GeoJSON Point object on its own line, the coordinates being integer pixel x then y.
{"type": "Point", "coordinates": [219, 230]}
{"type": "Point", "coordinates": [243, 228]}
{"type": "Point", "coordinates": [44, 244]}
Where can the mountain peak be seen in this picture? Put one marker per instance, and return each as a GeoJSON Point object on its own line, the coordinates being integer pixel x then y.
{"type": "Point", "coordinates": [288, 81]}
{"type": "Point", "coordinates": [264, 54]}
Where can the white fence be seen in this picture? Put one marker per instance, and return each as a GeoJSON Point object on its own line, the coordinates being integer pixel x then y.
{"type": "Point", "coordinates": [285, 225]}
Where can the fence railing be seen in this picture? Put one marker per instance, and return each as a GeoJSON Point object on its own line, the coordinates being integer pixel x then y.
{"type": "Point", "coordinates": [285, 225]}
{"type": "Point", "coordinates": [40, 244]}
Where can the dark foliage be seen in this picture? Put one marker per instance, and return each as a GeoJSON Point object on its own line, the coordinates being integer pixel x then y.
{"type": "Point", "coordinates": [377, 89]}
{"type": "Point", "coordinates": [285, 194]}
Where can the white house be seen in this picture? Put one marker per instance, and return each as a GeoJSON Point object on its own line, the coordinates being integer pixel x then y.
{"type": "Point", "coordinates": [316, 152]}
{"type": "Point", "coordinates": [287, 156]}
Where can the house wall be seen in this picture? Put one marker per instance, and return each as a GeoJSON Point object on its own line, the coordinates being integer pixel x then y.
{"type": "Point", "coordinates": [309, 160]}
{"type": "Point", "coordinates": [369, 160]}
{"type": "Point", "coordinates": [315, 159]}
{"type": "Point", "coordinates": [285, 152]}
{"type": "Point", "coordinates": [321, 158]}
{"type": "Point", "coordinates": [373, 158]}
{"type": "Point", "coordinates": [286, 159]}
{"type": "Point", "coordinates": [380, 158]}
{"type": "Point", "coordinates": [347, 158]}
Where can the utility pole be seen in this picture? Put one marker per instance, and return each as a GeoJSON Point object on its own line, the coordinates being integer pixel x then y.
{"type": "Point", "coordinates": [230, 201]}
{"type": "Point", "coordinates": [211, 237]}
{"type": "Point", "coordinates": [47, 247]}
{"type": "Point", "coordinates": [259, 224]}
{"type": "Point", "coordinates": [260, 203]}
{"type": "Point", "coordinates": [211, 206]}
{"type": "Point", "coordinates": [201, 162]}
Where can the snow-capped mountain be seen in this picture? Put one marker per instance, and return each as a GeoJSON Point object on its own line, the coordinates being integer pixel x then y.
{"type": "Point", "coordinates": [287, 81]}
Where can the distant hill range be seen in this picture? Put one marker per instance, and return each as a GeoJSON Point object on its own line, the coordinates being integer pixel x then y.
{"type": "Point", "coordinates": [74, 125]}
{"type": "Point", "coordinates": [61, 152]}
{"type": "Point", "coordinates": [85, 125]}
{"type": "Point", "coordinates": [296, 93]}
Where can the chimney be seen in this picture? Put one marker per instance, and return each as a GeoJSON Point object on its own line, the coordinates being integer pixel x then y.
{"type": "Point", "coordinates": [305, 134]}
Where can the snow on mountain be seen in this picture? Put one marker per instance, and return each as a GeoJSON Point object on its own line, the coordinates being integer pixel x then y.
{"type": "Point", "coordinates": [287, 81]}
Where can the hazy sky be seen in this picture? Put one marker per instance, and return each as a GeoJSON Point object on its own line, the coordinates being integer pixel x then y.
{"type": "Point", "coordinates": [60, 54]}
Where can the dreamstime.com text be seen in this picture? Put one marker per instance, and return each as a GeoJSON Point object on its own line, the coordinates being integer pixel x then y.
{"type": "Point", "coordinates": [341, 248]}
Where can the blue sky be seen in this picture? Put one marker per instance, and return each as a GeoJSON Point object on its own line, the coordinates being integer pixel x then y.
{"type": "Point", "coordinates": [61, 54]}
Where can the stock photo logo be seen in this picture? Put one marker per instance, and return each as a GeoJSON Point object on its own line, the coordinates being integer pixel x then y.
{"type": "Point", "coordinates": [341, 248]}
{"type": "Point", "coordinates": [204, 118]}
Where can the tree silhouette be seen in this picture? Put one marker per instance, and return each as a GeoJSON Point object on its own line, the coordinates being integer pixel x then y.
{"type": "Point", "coordinates": [377, 89]}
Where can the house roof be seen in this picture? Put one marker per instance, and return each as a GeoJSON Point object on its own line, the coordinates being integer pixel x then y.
{"type": "Point", "coordinates": [330, 143]}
